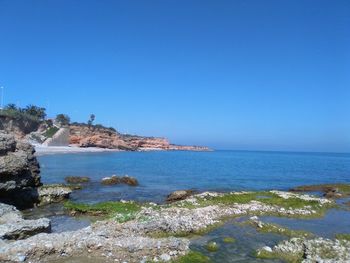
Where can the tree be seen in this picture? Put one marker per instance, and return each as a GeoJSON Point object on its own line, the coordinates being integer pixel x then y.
{"type": "Point", "coordinates": [91, 120]}
{"type": "Point", "coordinates": [63, 119]}
{"type": "Point", "coordinates": [35, 111]}
{"type": "Point", "coordinates": [11, 106]}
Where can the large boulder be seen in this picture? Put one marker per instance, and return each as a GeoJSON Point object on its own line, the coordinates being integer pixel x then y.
{"type": "Point", "coordinates": [53, 193]}
{"type": "Point", "coordinates": [19, 172]}
{"type": "Point", "coordinates": [13, 226]}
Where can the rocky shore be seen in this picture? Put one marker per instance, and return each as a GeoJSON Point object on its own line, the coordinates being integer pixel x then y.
{"type": "Point", "coordinates": [148, 231]}
{"type": "Point", "coordinates": [127, 231]}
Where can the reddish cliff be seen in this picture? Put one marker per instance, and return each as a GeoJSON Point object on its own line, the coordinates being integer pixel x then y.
{"type": "Point", "coordinates": [92, 136]}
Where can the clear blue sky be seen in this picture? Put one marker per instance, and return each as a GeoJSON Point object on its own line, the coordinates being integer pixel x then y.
{"type": "Point", "coordinates": [264, 75]}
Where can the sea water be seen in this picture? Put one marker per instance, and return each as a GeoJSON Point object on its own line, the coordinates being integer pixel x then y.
{"type": "Point", "coordinates": [160, 173]}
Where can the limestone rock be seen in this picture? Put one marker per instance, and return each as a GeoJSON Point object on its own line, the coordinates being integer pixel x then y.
{"type": "Point", "coordinates": [13, 226]}
{"type": "Point", "coordinates": [19, 172]}
{"type": "Point", "coordinates": [53, 194]}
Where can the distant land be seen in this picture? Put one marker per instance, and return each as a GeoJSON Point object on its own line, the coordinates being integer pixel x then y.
{"type": "Point", "coordinates": [31, 123]}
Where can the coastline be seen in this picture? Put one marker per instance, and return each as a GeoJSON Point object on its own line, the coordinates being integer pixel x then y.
{"type": "Point", "coordinates": [44, 150]}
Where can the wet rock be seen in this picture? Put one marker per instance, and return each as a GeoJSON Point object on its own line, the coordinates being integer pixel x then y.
{"type": "Point", "coordinates": [212, 246]}
{"type": "Point", "coordinates": [77, 179]}
{"type": "Point", "coordinates": [19, 172]}
{"type": "Point", "coordinates": [312, 250]}
{"type": "Point", "coordinates": [53, 194]}
{"type": "Point", "coordinates": [13, 226]}
{"type": "Point", "coordinates": [131, 241]}
{"type": "Point", "coordinates": [332, 193]}
{"type": "Point", "coordinates": [328, 190]}
{"type": "Point", "coordinates": [107, 238]}
{"type": "Point", "coordinates": [179, 195]}
{"type": "Point", "coordinates": [119, 180]}
{"type": "Point", "coordinates": [129, 180]}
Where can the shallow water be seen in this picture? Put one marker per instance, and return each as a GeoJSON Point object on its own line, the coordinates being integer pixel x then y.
{"type": "Point", "coordinates": [334, 222]}
{"type": "Point", "coordinates": [162, 172]}
{"type": "Point", "coordinates": [247, 241]}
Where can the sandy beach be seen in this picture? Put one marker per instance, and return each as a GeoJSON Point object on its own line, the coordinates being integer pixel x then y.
{"type": "Point", "coordinates": [43, 150]}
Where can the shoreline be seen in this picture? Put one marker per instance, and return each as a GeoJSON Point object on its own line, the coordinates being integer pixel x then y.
{"type": "Point", "coordinates": [45, 150]}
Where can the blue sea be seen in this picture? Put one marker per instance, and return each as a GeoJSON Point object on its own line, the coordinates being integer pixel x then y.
{"type": "Point", "coordinates": [160, 173]}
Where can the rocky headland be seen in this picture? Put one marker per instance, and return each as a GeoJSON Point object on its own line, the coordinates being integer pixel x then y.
{"type": "Point", "coordinates": [101, 137]}
{"type": "Point", "coordinates": [52, 133]}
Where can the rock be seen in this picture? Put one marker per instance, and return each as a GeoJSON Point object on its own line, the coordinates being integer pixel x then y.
{"type": "Point", "coordinates": [313, 250]}
{"type": "Point", "coordinates": [267, 248]}
{"type": "Point", "coordinates": [7, 143]}
{"type": "Point", "coordinates": [19, 172]}
{"type": "Point", "coordinates": [36, 137]}
{"type": "Point", "coordinates": [77, 179]}
{"type": "Point", "coordinates": [102, 137]}
{"type": "Point", "coordinates": [179, 195]}
{"type": "Point", "coordinates": [129, 180]}
{"type": "Point", "coordinates": [110, 180]}
{"type": "Point", "coordinates": [119, 180]}
{"type": "Point", "coordinates": [332, 193]}
{"type": "Point", "coordinates": [328, 190]}
{"type": "Point", "coordinates": [212, 246]}
{"type": "Point", "coordinates": [165, 257]}
{"type": "Point", "coordinates": [105, 238]}
{"type": "Point", "coordinates": [53, 194]}
{"type": "Point", "coordinates": [13, 226]}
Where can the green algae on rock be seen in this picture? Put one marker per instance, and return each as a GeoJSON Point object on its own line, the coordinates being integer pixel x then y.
{"type": "Point", "coordinates": [308, 250]}
{"type": "Point", "coordinates": [275, 228]}
{"type": "Point", "coordinates": [343, 237]}
{"type": "Point", "coordinates": [212, 246]}
{"type": "Point", "coordinates": [121, 211]}
{"type": "Point", "coordinates": [228, 240]}
{"type": "Point", "coordinates": [193, 257]}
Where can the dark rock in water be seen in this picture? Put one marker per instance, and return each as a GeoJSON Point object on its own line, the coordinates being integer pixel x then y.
{"type": "Point", "coordinates": [129, 181]}
{"type": "Point", "coordinates": [13, 226]}
{"type": "Point", "coordinates": [328, 190]}
{"type": "Point", "coordinates": [110, 180]}
{"type": "Point", "coordinates": [332, 193]}
{"type": "Point", "coordinates": [179, 195]}
{"type": "Point", "coordinates": [120, 180]}
{"type": "Point", "coordinates": [77, 179]}
{"type": "Point", "coordinates": [19, 172]}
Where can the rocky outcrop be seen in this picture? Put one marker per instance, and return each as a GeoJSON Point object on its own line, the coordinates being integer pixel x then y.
{"type": "Point", "coordinates": [119, 180]}
{"type": "Point", "coordinates": [133, 241]}
{"type": "Point", "coordinates": [92, 136]}
{"type": "Point", "coordinates": [19, 172]}
{"type": "Point", "coordinates": [19, 127]}
{"type": "Point", "coordinates": [113, 241]}
{"type": "Point", "coordinates": [13, 226]}
{"type": "Point", "coordinates": [309, 250]}
{"type": "Point", "coordinates": [48, 194]}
